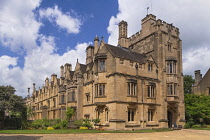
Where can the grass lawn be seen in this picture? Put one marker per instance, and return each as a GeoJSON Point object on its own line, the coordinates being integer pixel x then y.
{"type": "Point", "coordinates": [208, 128]}
{"type": "Point", "coordinates": [68, 131]}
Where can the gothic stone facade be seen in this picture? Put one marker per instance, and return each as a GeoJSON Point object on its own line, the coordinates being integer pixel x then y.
{"type": "Point", "coordinates": [135, 85]}
{"type": "Point", "coordinates": [202, 84]}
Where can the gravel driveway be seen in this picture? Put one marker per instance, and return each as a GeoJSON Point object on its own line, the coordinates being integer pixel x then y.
{"type": "Point", "coordinates": [184, 134]}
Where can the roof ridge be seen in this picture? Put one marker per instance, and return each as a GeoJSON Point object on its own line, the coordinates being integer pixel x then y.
{"type": "Point", "coordinates": [126, 54]}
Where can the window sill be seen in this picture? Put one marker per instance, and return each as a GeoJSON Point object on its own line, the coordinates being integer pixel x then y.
{"type": "Point", "coordinates": [135, 96]}
{"type": "Point", "coordinates": [100, 96]}
{"type": "Point", "coordinates": [151, 97]}
{"type": "Point", "coordinates": [172, 95]}
{"type": "Point", "coordinates": [151, 123]}
{"type": "Point", "coordinates": [71, 101]}
{"type": "Point", "coordinates": [132, 124]}
{"type": "Point", "coordinates": [171, 73]}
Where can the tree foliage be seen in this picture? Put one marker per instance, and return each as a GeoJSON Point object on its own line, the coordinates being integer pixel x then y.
{"type": "Point", "coordinates": [11, 105]}
{"type": "Point", "coordinates": [197, 109]}
{"type": "Point", "coordinates": [188, 83]}
{"type": "Point", "coordinates": [69, 113]}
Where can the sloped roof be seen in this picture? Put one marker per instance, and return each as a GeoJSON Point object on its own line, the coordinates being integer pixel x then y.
{"type": "Point", "coordinates": [83, 68]}
{"type": "Point", "coordinates": [205, 76]}
{"type": "Point", "coordinates": [71, 74]}
{"type": "Point", "coordinates": [89, 66]}
{"type": "Point", "coordinates": [125, 53]}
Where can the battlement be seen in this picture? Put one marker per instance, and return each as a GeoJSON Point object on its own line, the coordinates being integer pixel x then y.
{"type": "Point", "coordinates": [134, 36]}
{"type": "Point", "coordinates": [149, 26]}
{"type": "Point", "coordinates": [162, 23]}
{"type": "Point", "coordinates": [148, 17]}
{"type": "Point", "coordinates": [123, 22]}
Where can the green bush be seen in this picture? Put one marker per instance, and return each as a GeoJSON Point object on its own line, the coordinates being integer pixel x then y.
{"type": "Point", "coordinates": [96, 120]}
{"type": "Point", "coordinates": [25, 124]}
{"type": "Point", "coordinates": [46, 122]}
{"type": "Point", "coordinates": [78, 123]}
{"type": "Point", "coordinates": [37, 123]}
{"type": "Point", "coordinates": [55, 121]}
{"type": "Point", "coordinates": [64, 124]}
{"type": "Point", "coordinates": [87, 123]}
{"type": "Point", "coordinates": [56, 126]}
{"type": "Point", "coordinates": [186, 126]}
{"type": "Point", "coordinates": [196, 126]}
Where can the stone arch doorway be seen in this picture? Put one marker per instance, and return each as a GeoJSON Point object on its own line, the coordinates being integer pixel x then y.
{"type": "Point", "coordinates": [170, 119]}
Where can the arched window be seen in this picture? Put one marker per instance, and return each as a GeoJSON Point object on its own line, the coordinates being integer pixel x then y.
{"type": "Point", "coordinates": [97, 113]}
{"type": "Point", "coordinates": [73, 96]}
{"type": "Point", "coordinates": [106, 114]}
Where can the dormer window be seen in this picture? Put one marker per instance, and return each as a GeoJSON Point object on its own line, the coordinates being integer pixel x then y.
{"type": "Point", "coordinates": [102, 65]}
{"type": "Point", "coordinates": [150, 67]}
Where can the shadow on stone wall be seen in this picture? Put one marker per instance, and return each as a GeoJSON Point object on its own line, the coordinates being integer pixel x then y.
{"type": "Point", "coordinates": [20, 137]}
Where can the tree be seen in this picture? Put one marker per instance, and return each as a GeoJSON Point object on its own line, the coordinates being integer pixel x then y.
{"type": "Point", "coordinates": [197, 109]}
{"type": "Point", "coordinates": [188, 83]}
{"type": "Point", "coordinates": [69, 113]}
{"type": "Point", "coordinates": [11, 105]}
{"type": "Point", "coordinates": [30, 112]}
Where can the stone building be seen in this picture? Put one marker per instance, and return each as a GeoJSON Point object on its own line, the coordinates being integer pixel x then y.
{"type": "Point", "coordinates": [135, 85]}
{"type": "Point", "coordinates": [202, 84]}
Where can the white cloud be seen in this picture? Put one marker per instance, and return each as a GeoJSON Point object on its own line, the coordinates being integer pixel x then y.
{"type": "Point", "coordinates": [64, 21]}
{"type": "Point", "coordinates": [188, 15]}
{"type": "Point", "coordinates": [19, 30]}
{"type": "Point", "coordinates": [196, 60]}
{"type": "Point", "coordinates": [39, 64]}
{"type": "Point", "coordinates": [18, 27]}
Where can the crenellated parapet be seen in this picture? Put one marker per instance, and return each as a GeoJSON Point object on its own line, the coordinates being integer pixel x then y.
{"type": "Point", "coordinates": [150, 26]}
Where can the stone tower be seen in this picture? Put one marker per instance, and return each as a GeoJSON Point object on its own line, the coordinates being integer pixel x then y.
{"type": "Point", "coordinates": [122, 41]}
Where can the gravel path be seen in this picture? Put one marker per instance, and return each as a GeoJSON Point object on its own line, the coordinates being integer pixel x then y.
{"type": "Point", "coordinates": [184, 134]}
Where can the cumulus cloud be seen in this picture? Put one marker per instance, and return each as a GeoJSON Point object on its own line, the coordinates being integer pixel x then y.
{"type": "Point", "coordinates": [188, 15]}
{"type": "Point", "coordinates": [19, 30]}
{"type": "Point", "coordinates": [10, 73]}
{"type": "Point", "coordinates": [64, 21]}
{"type": "Point", "coordinates": [39, 64]}
{"type": "Point", "coordinates": [196, 59]}
{"type": "Point", "coordinates": [18, 27]}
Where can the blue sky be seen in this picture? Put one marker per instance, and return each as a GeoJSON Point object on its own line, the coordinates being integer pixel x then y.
{"type": "Point", "coordinates": [38, 36]}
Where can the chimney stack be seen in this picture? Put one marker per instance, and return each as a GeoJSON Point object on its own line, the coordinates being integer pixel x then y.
{"type": "Point", "coordinates": [62, 71]}
{"type": "Point", "coordinates": [28, 92]}
{"type": "Point", "coordinates": [198, 77]}
{"type": "Point", "coordinates": [96, 44]}
{"type": "Point", "coordinates": [34, 88]}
